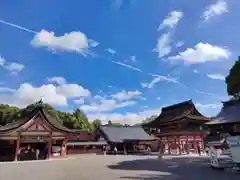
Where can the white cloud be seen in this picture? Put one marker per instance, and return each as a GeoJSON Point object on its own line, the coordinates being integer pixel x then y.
{"type": "Point", "coordinates": [133, 59]}
{"type": "Point", "coordinates": [202, 53]}
{"type": "Point", "coordinates": [7, 89]}
{"type": "Point", "coordinates": [69, 90]}
{"type": "Point", "coordinates": [216, 76]}
{"type": "Point", "coordinates": [213, 106]}
{"type": "Point", "coordinates": [195, 71]}
{"type": "Point", "coordinates": [57, 80]}
{"type": "Point", "coordinates": [126, 95]}
{"type": "Point", "coordinates": [98, 97]}
{"type": "Point", "coordinates": [92, 43]}
{"type": "Point", "coordinates": [171, 20]}
{"type": "Point", "coordinates": [53, 94]}
{"type": "Point", "coordinates": [112, 51]}
{"type": "Point", "coordinates": [111, 102]}
{"type": "Point", "coordinates": [152, 83]}
{"type": "Point", "coordinates": [106, 105]}
{"type": "Point", "coordinates": [216, 9]}
{"type": "Point", "coordinates": [179, 44]}
{"type": "Point", "coordinates": [163, 46]}
{"type": "Point", "coordinates": [15, 67]}
{"type": "Point", "coordinates": [79, 101]}
{"type": "Point", "coordinates": [73, 90]}
{"type": "Point", "coordinates": [157, 79]}
{"type": "Point", "coordinates": [2, 61]}
{"type": "Point", "coordinates": [12, 66]}
{"type": "Point", "coordinates": [221, 98]}
{"type": "Point", "coordinates": [71, 42]}
{"type": "Point", "coordinates": [130, 118]}
{"type": "Point", "coordinates": [28, 94]}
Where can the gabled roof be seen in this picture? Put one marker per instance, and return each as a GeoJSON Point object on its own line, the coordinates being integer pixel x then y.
{"type": "Point", "coordinates": [121, 134]}
{"type": "Point", "coordinates": [177, 112]}
{"type": "Point", "coordinates": [38, 110]}
{"type": "Point", "coordinates": [230, 113]}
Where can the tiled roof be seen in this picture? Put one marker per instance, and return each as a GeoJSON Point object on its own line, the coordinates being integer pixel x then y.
{"type": "Point", "coordinates": [121, 134]}
{"type": "Point", "coordinates": [177, 112]}
{"type": "Point", "coordinates": [230, 113]}
{"type": "Point", "coordinates": [48, 118]}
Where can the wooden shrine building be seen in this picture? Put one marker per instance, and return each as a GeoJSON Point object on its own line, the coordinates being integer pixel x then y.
{"type": "Point", "coordinates": [179, 128]}
{"type": "Point", "coordinates": [127, 139]}
{"type": "Point", "coordinates": [38, 130]}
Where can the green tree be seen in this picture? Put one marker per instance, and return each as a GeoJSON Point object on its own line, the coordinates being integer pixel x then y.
{"type": "Point", "coordinates": [110, 123]}
{"type": "Point", "coordinates": [149, 119]}
{"type": "Point", "coordinates": [81, 120]}
{"type": "Point", "coordinates": [96, 124]}
{"type": "Point", "coordinates": [233, 80]}
{"type": "Point", "coordinates": [8, 114]}
{"type": "Point", "coordinates": [75, 120]}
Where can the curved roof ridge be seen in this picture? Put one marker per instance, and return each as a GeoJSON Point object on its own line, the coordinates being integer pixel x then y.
{"type": "Point", "coordinates": [184, 103]}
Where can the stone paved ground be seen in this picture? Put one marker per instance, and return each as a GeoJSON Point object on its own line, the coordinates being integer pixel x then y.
{"type": "Point", "coordinates": [91, 167]}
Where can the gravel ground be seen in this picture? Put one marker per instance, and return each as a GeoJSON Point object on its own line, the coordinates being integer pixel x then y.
{"type": "Point", "coordinates": [90, 167]}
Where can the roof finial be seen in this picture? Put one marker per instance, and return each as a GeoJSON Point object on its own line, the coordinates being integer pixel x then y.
{"type": "Point", "coordinates": [41, 100]}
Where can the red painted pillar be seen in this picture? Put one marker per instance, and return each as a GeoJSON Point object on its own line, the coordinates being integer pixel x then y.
{"type": "Point", "coordinates": [168, 142]}
{"type": "Point", "coordinates": [187, 145]}
{"type": "Point", "coordinates": [195, 144]}
{"type": "Point", "coordinates": [17, 148]}
{"type": "Point", "coordinates": [179, 145]}
{"type": "Point", "coordinates": [202, 143]}
{"type": "Point", "coordinates": [50, 147]}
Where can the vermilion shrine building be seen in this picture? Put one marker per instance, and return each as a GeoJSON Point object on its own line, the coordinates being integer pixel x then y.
{"type": "Point", "coordinates": [179, 128]}
{"type": "Point", "coordinates": [40, 130]}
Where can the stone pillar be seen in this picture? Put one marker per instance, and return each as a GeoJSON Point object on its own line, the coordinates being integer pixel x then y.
{"type": "Point", "coordinates": [17, 148]}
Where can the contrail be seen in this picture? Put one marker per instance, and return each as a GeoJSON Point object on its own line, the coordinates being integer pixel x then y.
{"type": "Point", "coordinates": [17, 26]}
{"type": "Point", "coordinates": [127, 66]}
{"type": "Point", "coordinates": [115, 62]}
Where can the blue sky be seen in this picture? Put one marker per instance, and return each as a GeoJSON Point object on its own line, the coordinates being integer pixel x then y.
{"type": "Point", "coordinates": [117, 59]}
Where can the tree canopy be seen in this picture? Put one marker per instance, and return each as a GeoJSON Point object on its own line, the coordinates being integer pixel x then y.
{"type": "Point", "coordinates": [96, 124]}
{"type": "Point", "coordinates": [233, 80]}
{"type": "Point", "coordinates": [75, 120]}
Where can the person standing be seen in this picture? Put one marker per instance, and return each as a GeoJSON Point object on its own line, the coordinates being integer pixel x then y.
{"type": "Point", "coordinates": [115, 150]}
{"type": "Point", "coordinates": [104, 150]}
{"type": "Point", "coordinates": [199, 149]}
{"type": "Point", "coordinates": [37, 153]}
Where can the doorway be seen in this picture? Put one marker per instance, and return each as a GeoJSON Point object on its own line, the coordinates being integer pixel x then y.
{"type": "Point", "coordinates": [33, 151]}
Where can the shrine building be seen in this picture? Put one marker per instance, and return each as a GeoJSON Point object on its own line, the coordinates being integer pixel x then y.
{"type": "Point", "coordinates": [180, 128]}
{"type": "Point", "coordinates": [39, 130]}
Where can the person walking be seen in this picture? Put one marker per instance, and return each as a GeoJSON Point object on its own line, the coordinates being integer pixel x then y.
{"type": "Point", "coordinates": [199, 149]}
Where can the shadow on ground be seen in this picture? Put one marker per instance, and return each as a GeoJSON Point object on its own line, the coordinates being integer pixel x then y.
{"type": "Point", "coordinates": [194, 168]}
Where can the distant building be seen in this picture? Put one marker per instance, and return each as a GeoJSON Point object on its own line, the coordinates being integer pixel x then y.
{"type": "Point", "coordinates": [180, 128]}
{"type": "Point", "coordinates": [127, 139]}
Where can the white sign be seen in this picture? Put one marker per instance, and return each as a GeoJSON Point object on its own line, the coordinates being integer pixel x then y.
{"type": "Point", "coordinates": [234, 146]}
{"type": "Point", "coordinates": [214, 157]}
